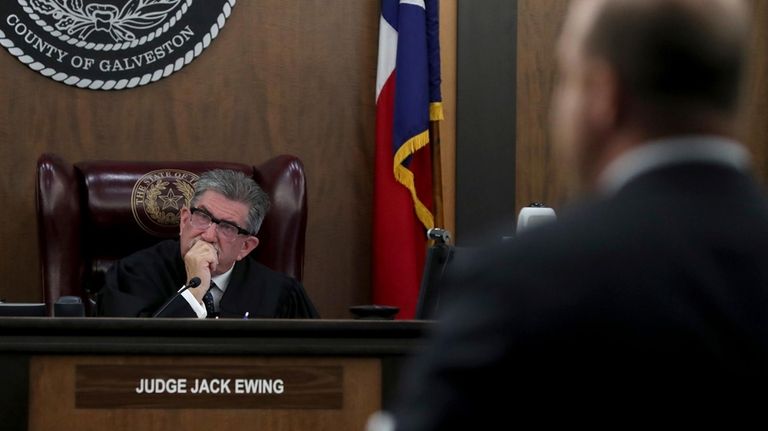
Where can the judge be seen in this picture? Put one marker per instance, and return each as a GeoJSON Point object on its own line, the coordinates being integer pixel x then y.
{"type": "Point", "coordinates": [217, 233]}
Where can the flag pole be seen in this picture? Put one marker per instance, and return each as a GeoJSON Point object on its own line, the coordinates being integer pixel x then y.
{"type": "Point", "coordinates": [437, 173]}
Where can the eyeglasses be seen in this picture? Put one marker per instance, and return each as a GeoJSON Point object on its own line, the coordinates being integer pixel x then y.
{"type": "Point", "coordinates": [202, 219]}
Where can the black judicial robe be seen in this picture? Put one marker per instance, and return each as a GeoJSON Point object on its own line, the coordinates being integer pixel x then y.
{"type": "Point", "coordinates": [141, 283]}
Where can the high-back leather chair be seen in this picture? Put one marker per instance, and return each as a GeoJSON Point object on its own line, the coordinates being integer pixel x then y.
{"type": "Point", "coordinates": [92, 213]}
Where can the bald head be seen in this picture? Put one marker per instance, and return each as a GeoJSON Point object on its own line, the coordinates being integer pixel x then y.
{"type": "Point", "coordinates": [671, 53]}
{"type": "Point", "coordinates": [636, 70]}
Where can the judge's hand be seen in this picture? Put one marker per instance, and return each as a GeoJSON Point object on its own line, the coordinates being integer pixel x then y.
{"type": "Point", "coordinates": [200, 261]}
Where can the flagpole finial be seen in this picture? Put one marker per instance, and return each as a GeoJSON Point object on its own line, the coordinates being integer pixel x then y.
{"type": "Point", "coordinates": [442, 236]}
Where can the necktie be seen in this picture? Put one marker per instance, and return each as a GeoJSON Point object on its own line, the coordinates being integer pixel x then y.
{"type": "Point", "coordinates": [208, 301]}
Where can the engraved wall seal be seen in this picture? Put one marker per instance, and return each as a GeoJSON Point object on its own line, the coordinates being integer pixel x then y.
{"type": "Point", "coordinates": [158, 196]}
{"type": "Point", "coordinates": [109, 44]}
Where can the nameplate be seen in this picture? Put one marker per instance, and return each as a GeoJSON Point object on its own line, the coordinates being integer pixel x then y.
{"type": "Point", "coordinates": [208, 387]}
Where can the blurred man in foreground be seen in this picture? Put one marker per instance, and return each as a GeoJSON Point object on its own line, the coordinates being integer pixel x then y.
{"type": "Point", "coordinates": [654, 288]}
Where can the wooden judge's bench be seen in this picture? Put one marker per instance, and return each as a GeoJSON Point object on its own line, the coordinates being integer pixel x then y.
{"type": "Point", "coordinates": [190, 374]}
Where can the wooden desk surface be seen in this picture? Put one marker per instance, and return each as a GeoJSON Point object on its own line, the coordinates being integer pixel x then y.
{"type": "Point", "coordinates": [232, 336]}
{"type": "Point", "coordinates": [41, 357]}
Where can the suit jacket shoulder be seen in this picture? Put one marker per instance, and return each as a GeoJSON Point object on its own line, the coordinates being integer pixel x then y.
{"type": "Point", "coordinates": [664, 280]}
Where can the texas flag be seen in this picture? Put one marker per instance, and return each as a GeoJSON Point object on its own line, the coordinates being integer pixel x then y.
{"type": "Point", "coordinates": [407, 99]}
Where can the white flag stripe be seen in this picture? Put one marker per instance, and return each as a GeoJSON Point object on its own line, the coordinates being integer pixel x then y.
{"type": "Point", "coordinates": [419, 3]}
{"type": "Point", "coordinates": [387, 54]}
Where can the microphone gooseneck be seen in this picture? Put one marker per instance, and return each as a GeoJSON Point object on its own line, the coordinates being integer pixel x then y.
{"type": "Point", "coordinates": [191, 284]}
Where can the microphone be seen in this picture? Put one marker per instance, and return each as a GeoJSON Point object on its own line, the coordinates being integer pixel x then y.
{"type": "Point", "coordinates": [193, 282]}
{"type": "Point", "coordinates": [534, 214]}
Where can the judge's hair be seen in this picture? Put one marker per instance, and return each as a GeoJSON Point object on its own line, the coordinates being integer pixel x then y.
{"type": "Point", "coordinates": [674, 53]}
{"type": "Point", "coordinates": [237, 187]}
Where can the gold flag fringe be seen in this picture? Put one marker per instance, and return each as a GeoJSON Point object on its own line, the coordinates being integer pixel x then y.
{"type": "Point", "coordinates": [405, 177]}
{"type": "Point", "coordinates": [436, 111]}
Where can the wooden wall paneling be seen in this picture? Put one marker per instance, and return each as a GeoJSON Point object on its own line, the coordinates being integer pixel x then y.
{"type": "Point", "coordinates": [538, 176]}
{"type": "Point", "coordinates": [341, 99]}
{"type": "Point", "coordinates": [448, 23]}
{"type": "Point", "coordinates": [282, 77]}
{"type": "Point", "coordinates": [755, 131]}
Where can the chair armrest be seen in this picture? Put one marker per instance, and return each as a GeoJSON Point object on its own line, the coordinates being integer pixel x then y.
{"type": "Point", "coordinates": [59, 228]}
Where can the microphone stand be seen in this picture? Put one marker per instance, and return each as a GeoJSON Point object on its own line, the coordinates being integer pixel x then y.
{"type": "Point", "coordinates": [193, 282]}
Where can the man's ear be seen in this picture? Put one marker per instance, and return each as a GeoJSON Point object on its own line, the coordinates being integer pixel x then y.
{"type": "Point", "coordinates": [183, 218]}
{"type": "Point", "coordinates": [605, 93]}
{"type": "Point", "coordinates": [248, 245]}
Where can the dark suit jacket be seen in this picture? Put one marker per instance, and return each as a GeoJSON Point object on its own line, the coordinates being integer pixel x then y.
{"type": "Point", "coordinates": [140, 284]}
{"type": "Point", "coordinates": [663, 283]}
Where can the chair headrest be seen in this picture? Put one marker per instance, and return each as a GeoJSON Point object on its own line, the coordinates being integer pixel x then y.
{"type": "Point", "coordinates": [135, 203]}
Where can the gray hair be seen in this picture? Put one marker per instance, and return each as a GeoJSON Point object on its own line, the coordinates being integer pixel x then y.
{"type": "Point", "coordinates": [237, 187]}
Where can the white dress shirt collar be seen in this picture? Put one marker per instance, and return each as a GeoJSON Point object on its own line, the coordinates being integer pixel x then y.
{"type": "Point", "coordinates": [670, 151]}
{"type": "Point", "coordinates": [222, 280]}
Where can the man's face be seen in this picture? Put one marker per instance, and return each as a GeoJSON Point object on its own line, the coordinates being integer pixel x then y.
{"type": "Point", "coordinates": [573, 129]}
{"type": "Point", "coordinates": [221, 208]}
